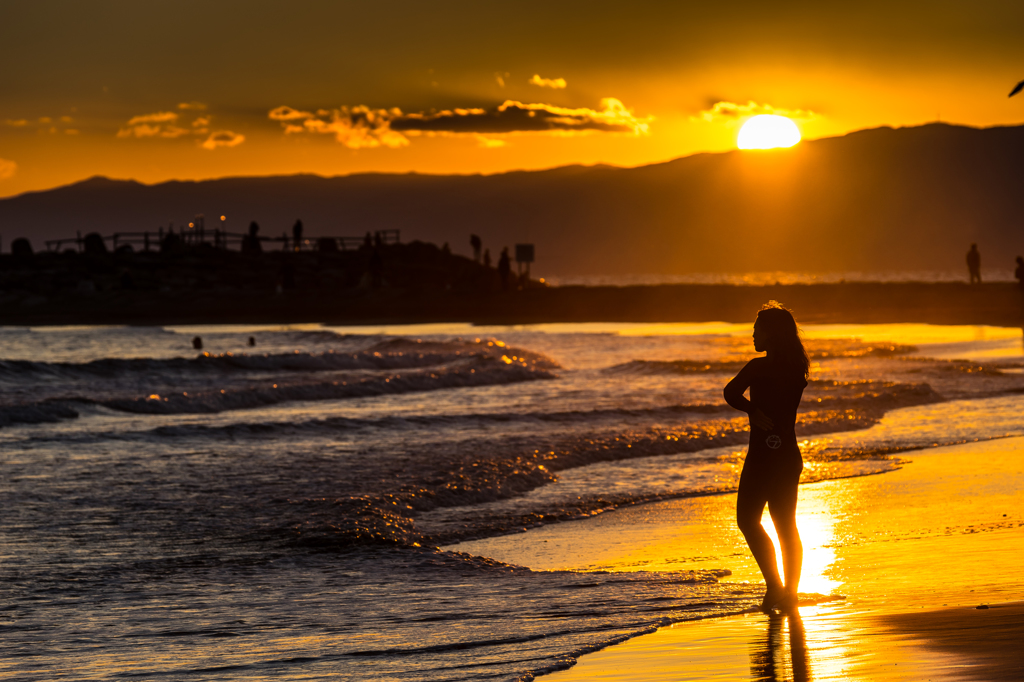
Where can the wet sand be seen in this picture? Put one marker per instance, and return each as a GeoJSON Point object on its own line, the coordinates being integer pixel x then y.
{"type": "Point", "coordinates": [914, 552]}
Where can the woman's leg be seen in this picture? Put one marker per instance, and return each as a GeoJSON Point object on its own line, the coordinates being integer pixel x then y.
{"type": "Point", "coordinates": [750, 504]}
{"type": "Point", "coordinates": [782, 507]}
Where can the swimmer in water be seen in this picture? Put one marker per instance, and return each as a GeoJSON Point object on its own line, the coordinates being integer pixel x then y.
{"type": "Point", "coordinates": [773, 464]}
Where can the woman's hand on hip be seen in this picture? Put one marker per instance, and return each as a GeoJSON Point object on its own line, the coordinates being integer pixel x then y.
{"type": "Point", "coordinates": [761, 420]}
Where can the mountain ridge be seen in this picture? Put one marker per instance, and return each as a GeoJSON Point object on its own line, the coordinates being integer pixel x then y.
{"type": "Point", "coordinates": [876, 199]}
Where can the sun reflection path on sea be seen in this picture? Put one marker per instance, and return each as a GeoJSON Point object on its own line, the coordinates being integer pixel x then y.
{"type": "Point", "coordinates": [816, 523]}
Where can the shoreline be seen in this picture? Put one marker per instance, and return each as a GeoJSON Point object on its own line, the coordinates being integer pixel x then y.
{"type": "Point", "coordinates": [907, 550]}
{"type": "Point", "coordinates": [994, 304]}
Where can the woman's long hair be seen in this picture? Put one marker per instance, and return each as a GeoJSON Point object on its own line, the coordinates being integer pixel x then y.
{"type": "Point", "coordinates": [783, 336]}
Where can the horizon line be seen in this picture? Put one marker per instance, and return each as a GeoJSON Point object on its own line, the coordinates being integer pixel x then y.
{"type": "Point", "coordinates": [496, 173]}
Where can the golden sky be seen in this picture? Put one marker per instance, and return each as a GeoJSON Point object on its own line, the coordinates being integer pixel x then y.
{"type": "Point", "coordinates": [193, 90]}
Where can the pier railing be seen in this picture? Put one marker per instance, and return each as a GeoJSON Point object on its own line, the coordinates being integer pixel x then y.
{"type": "Point", "coordinates": [221, 239]}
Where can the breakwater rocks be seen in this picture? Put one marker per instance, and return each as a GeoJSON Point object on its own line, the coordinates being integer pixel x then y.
{"type": "Point", "coordinates": [420, 282]}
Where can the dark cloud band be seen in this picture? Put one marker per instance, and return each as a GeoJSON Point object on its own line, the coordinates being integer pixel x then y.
{"type": "Point", "coordinates": [364, 127]}
{"type": "Point", "coordinates": [513, 117]}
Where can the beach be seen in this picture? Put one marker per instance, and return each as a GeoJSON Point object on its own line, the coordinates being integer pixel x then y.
{"type": "Point", "coordinates": [921, 564]}
{"type": "Point", "coordinates": [445, 502]}
{"type": "Point", "coordinates": [407, 345]}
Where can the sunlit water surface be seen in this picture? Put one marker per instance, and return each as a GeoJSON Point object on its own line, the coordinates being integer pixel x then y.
{"type": "Point", "coordinates": [272, 511]}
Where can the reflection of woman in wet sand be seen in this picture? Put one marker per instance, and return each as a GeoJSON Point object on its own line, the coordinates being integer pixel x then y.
{"type": "Point", "coordinates": [770, 660]}
{"type": "Point", "coordinates": [772, 468]}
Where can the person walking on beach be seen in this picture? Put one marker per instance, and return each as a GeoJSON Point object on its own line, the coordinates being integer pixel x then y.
{"type": "Point", "coordinates": [1019, 274]}
{"type": "Point", "coordinates": [773, 464]}
{"type": "Point", "coordinates": [974, 264]}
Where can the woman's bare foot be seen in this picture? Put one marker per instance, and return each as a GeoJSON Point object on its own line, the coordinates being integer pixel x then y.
{"type": "Point", "coordinates": [772, 598]}
{"type": "Point", "coordinates": [788, 601]}
{"type": "Point", "coordinates": [778, 599]}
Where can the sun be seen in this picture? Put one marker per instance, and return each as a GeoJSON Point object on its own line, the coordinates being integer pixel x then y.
{"type": "Point", "coordinates": [767, 132]}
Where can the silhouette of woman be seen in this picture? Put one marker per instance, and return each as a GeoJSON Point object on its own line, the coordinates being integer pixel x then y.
{"type": "Point", "coordinates": [773, 464]}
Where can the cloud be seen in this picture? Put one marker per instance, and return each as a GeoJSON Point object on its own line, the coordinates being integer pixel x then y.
{"type": "Point", "coordinates": [499, 78]}
{"type": "Point", "coordinates": [730, 111]}
{"type": "Point", "coordinates": [43, 124]}
{"type": "Point", "coordinates": [223, 138]}
{"type": "Point", "coordinates": [7, 169]}
{"type": "Point", "coordinates": [513, 117]}
{"type": "Point", "coordinates": [160, 124]}
{"type": "Point", "coordinates": [159, 117]}
{"type": "Point", "coordinates": [555, 83]}
{"type": "Point", "coordinates": [288, 114]}
{"type": "Point", "coordinates": [169, 124]}
{"type": "Point", "coordinates": [355, 127]}
{"type": "Point", "coordinates": [489, 142]}
{"type": "Point", "coordinates": [362, 127]}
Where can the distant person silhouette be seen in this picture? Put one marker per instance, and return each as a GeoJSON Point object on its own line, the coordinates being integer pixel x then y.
{"type": "Point", "coordinates": [974, 264]}
{"type": "Point", "coordinates": [504, 268]}
{"type": "Point", "coordinates": [1019, 274]}
{"type": "Point", "coordinates": [172, 242]}
{"type": "Point", "coordinates": [251, 242]}
{"type": "Point", "coordinates": [475, 242]}
{"type": "Point", "coordinates": [771, 470]}
{"type": "Point", "coordinates": [297, 234]}
{"type": "Point", "coordinates": [197, 343]}
{"type": "Point", "coordinates": [93, 244]}
{"type": "Point", "coordinates": [252, 341]}
{"type": "Point", "coordinates": [487, 258]}
{"type": "Point", "coordinates": [21, 249]}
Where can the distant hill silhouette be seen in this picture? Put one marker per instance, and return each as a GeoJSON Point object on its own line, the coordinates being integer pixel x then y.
{"type": "Point", "coordinates": [880, 199]}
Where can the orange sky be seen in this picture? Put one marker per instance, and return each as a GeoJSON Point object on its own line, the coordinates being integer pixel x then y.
{"type": "Point", "coordinates": [156, 92]}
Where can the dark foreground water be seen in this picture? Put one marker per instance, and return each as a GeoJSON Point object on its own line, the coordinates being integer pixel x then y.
{"type": "Point", "coordinates": [274, 512]}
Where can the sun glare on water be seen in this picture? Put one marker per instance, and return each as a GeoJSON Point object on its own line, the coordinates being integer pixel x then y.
{"type": "Point", "coordinates": [767, 132]}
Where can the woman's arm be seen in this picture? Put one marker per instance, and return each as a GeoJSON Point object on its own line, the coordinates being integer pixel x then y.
{"type": "Point", "coordinates": [735, 389]}
{"type": "Point", "coordinates": [734, 396]}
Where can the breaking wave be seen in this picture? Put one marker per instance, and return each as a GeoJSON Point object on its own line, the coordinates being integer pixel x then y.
{"type": "Point", "coordinates": [46, 412]}
{"type": "Point", "coordinates": [386, 355]}
{"type": "Point", "coordinates": [481, 372]}
{"type": "Point", "coordinates": [817, 349]}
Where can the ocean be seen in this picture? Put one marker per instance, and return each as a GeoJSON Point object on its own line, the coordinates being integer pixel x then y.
{"type": "Point", "coordinates": [301, 509]}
